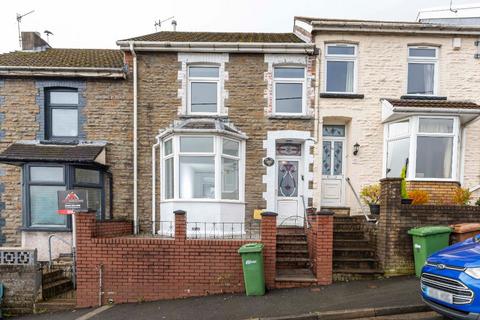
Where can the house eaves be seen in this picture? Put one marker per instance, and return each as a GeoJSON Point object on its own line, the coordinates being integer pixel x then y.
{"type": "Point", "coordinates": [63, 72]}
{"type": "Point", "coordinates": [221, 47]}
{"type": "Point", "coordinates": [387, 27]}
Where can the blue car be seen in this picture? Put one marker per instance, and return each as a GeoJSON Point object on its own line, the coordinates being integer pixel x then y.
{"type": "Point", "coordinates": [450, 280]}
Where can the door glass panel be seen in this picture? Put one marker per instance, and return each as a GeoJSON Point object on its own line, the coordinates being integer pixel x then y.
{"type": "Point", "coordinates": [289, 149]}
{"type": "Point", "coordinates": [288, 179]}
{"type": "Point", "coordinates": [327, 158]}
{"type": "Point", "coordinates": [337, 157]}
{"type": "Point", "coordinates": [333, 131]}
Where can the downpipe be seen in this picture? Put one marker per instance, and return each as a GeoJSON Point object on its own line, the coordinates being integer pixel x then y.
{"type": "Point", "coordinates": [154, 183]}
{"type": "Point", "coordinates": [135, 148]}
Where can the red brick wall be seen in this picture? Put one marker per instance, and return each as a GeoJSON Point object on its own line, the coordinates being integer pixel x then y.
{"type": "Point", "coordinates": [142, 269]}
{"type": "Point", "coordinates": [320, 245]}
{"type": "Point", "coordinates": [113, 228]}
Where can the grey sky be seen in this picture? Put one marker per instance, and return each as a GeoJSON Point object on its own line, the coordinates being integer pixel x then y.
{"type": "Point", "coordinates": [98, 23]}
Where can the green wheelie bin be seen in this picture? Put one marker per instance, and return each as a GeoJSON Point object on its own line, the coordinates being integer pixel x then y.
{"type": "Point", "coordinates": [252, 263]}
{"type": "Point", "coordinates": [427, 241]}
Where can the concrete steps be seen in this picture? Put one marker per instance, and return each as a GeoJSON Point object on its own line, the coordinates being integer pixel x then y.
{"type": "Point", "coordinates": [292, 261]}
{"type": "Point", "coordinates": [57, 287]}
{"type": "Point", "coordinates": [354, 256]}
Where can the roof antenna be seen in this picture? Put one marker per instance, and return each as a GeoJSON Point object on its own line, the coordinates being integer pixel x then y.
{"type": "Point", "coordinates": [158, 24]}
{"type": "Point", "coordinates": [453, 10]}
{"type": "Point", "coordinates": [48, 33]}
{"type": "Point", "coordinates": [19, 21]}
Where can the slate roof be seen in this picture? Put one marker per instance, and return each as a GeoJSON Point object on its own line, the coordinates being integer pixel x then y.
{"type": "Point", "coordinates": [21, 152]}
{"type": "Point", "coordinates": [73, 58]}
{"type": "Point", "coordinates": [178, 36]}
{"type": "Point", "coordinates": [421, 103]}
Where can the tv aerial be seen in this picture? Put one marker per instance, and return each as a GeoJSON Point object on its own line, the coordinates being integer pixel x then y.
{"type": "Point", "coordinates": [48, 34]}
{"type": "Point", "coordinates": [19, 21]}
{"type": "Point", "coordinates": [158, 24]}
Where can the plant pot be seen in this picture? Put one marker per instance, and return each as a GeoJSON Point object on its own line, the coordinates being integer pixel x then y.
{"type": "Point", "coordinates": [407, 201]}
{"type": "Point", "coordinates": [374, 209]}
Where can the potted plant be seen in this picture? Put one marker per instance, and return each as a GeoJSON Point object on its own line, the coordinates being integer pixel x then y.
{"type": "Point", "coordinates": [418, 196]}
{"type": "Point", "coordinates": [371, 196]}
{"type": "Point", "coordinates": [403, 187]}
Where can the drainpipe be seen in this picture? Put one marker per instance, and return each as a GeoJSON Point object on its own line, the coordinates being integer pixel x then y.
{"type": "Point", "coordinates": [317, 130]}
{"type": "Point", "coordinates": [135, 156]}
{"type": "Point", "coordinates": [154, 183]}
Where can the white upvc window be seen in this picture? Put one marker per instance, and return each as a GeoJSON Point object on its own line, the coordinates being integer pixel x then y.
{"type": "Point", "coordinates": [289, 90]}
{"type": "Point", "coordinates": [203, 168]}
{"type": "Point", "coordinates": [341, 68]}
{"type": "Point", "coordinates": [203, 89]}
{"type": "Point", "coordinates": [422, 76]}
{"type": "Point", "coordinates": [427, 145]}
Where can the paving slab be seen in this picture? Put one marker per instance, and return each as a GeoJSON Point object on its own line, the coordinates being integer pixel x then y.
{"type": "Point", "coordinates": [393, 292]}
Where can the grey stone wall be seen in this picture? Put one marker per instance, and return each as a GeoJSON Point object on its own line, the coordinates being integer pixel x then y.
{"type": "Point", "coordinates": [2, 171]}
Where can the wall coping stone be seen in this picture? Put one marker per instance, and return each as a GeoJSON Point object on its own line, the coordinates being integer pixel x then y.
{"type": "Point", "coordinates": [179, 212]}
{"type": "Point", "coordinates": [269, 214]}
{"type": "Point", "coordinates": [325, 212]}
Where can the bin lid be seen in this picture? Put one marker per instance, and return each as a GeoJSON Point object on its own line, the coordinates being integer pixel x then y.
{"type": "Point", "coordinates": [251, 247]}
{"type": "Point", "coordinates": [429, 230]}
{"type": "Point", "coordinates": [465, 227]}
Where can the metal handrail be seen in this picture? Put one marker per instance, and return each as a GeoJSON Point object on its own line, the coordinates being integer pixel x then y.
{"type": "Point", "coordinates": [360, 202]}
{"type": "Point", "coordinates": [50, 237]}
{"type": "Point", "coordinates": [305, 211]}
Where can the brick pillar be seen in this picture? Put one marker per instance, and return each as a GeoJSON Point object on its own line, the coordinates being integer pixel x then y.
{"type": "Point", "coordinates": [323, 223]}
{"type": "Point", "coordinates": [180, 225]}
{"type": "Point", "coordinates": [390, 203]}
{"type": "Point", "coordinates": [269, 240]}
{"type": "Point", "coordinates": [87, 272]}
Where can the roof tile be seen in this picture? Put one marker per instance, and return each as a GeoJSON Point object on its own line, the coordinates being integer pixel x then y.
{"type": "Point", "coordinates": [74, 58]}
{"type": "Point", "coordinates": [177, 36]}
{"type": "Point", "coordinates": [421, 103]}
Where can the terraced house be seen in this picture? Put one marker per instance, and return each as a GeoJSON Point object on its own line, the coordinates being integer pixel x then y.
{"type": "Point", "coordinates": [188, 136]}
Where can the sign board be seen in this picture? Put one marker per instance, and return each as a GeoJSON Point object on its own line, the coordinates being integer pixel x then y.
{"type": "Point", "coordinates": [257, 214]}
{"type": "Point", "coordinates": [71, 201]}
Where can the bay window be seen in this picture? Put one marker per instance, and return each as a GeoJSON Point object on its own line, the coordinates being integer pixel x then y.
{"type": "Point", "coordinates": [427, 145]}
{"type": "Point", "coordinates": [208, 168]}
{"type": "Point", "coordinates": [422, 70]}
{"type": "Point", "coordinates": [289, 89]}
{"type": "Point", "coordinates": [42, 181]}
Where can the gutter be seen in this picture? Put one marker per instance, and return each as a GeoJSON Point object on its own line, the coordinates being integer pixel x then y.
{"type": "Point", "coordinates": [398, 30]}
{"type": "Point", "coordinates": [257, 47]}
{"type": "Point", "coordinates": [135, 147]}
{"type": "Point", "coordinates": [63, 71]}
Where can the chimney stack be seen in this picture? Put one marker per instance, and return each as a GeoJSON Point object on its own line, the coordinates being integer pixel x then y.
{"type": "Point", "coordinates": [32, 41]}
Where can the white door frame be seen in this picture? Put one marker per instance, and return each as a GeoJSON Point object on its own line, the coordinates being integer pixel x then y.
{"type": "Point", "coordinates": [344, 160]}
{"type": "Point", "coordinates": [269, 179]}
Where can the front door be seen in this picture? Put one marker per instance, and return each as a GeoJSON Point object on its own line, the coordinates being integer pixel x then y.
{"type": "Point", "coordinates": [333, 169]}
{"type": "Point", "coordinates": [289, 184]}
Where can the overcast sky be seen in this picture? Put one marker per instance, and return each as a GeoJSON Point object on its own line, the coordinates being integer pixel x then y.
{"type": "Point", "coordinates": [99, 23]}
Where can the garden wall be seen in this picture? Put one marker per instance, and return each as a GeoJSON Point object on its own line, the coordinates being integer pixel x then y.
{"type": "Point", "coordinates": [394, 245]}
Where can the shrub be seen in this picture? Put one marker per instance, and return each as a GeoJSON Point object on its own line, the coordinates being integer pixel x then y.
{"type": "Point", "coordinates": [477, 203]}
{"type": "Point", "coordinates": [370, 194]}
{"type": "Point", "coordinates": [418, 196]}
{"type": "Point", "coordinates": [462, 196]}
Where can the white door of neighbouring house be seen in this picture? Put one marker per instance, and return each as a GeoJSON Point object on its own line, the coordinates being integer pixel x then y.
{"type": "Point", "coordinates": [289, 184]}
{"type": "Point", "coordinates": [333, 166]}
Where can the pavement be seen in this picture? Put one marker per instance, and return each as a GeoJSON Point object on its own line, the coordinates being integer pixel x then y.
{"type": "Point", "coordinates": [384, 294]}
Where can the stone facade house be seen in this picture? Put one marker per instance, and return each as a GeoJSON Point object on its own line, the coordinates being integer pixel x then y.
{"type": "Point", "coordinates": [65, 123]}
{"type": "Point", "coordinates": [393, 94]}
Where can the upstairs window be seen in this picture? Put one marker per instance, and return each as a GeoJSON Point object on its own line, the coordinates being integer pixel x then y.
{"type": "Point", "coordinates": [289, 89]}
{"type": "Point", "coordinates": [341, 62]}
{"type": "Point", "coordinates": [422, 70]}
{"type": "Point", "coordinates": [61, 119]}
{"type": "Point", "coordinates": [203, 83]}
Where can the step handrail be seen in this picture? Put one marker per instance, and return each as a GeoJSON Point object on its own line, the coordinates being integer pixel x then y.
{"type": "Point", "coordinates": [74, 256]}
{"type": "Point", "coordinates": [360, 202]}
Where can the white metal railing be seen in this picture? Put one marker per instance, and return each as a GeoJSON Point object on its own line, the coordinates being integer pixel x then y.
{"type": "Point", "coordinates": [367, 217]}
{"type": "Point", "coordinates": [222, 230]}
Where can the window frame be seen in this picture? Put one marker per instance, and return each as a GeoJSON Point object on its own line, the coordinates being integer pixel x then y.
{"type": "Point", "coordinates": [424, 60]}
{"type": "Point", "coordinates": [191, 80]}
{"type": "Point", "coordinates": [48, 113]}
{"type": "Point", "coordinates": [217, 154]}
{"type": "Point", "coordinates": [341, 58]}
{"type": "Point", "coordinates": [302, 81]}
{"type": "Point", "coordinates": [414, 125]}
{"type": "Point", "coordinates": [68, 182]}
